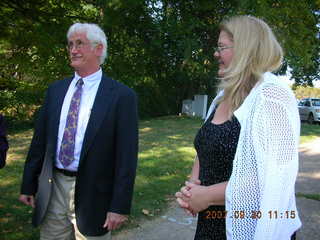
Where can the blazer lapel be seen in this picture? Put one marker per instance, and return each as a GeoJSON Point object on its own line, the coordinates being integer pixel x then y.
{"type": "Point", "coordinates": [58, 99]}
{"type": "Point", "coordinates": [99, 110]}
{"type": "Point", "coordinates": [59, 95]}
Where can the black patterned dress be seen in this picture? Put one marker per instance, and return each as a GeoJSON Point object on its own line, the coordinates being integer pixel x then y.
{"type": "Point", "coordinates": [216, 147]}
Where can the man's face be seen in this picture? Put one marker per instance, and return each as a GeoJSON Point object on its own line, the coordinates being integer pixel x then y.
{"type": "Point", "coordinates": [83, 57]}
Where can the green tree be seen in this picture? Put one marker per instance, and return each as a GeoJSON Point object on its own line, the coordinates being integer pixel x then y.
{"type": "Point", "coordinates": [33, 54]}
{"type": "Point", "coordinates": [161, 48]}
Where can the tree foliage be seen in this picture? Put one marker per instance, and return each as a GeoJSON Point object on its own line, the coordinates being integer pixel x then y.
{"type": "Point", "coordinates": [33, 50]}
{"type": "Point", "coordinates": [161, 48]}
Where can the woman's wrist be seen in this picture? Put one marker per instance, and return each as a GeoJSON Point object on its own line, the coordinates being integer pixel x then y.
{"type": "Point", "coordinates": [208, 196]}
{"type": "Point", "coordinates": [216, 194]}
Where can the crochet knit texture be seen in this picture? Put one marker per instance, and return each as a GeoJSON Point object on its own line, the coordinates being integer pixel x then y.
{"type": "Point", "coordinates": [260, 195]}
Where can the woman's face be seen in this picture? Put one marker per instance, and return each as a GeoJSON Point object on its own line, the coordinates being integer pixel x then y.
{"type": "Point", "coordinates": [224, 52]}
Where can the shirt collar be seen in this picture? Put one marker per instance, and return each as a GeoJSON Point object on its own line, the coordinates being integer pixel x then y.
{"type": "Point", "coordinates": [90, 78]}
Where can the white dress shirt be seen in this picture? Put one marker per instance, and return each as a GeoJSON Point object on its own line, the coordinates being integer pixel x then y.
{"type": "Point", "coordinates": [89, 91]}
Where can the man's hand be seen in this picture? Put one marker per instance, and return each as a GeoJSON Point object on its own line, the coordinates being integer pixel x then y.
{"type": "Point", "coordinates": [27, 199]}
{"type": "Point", "coordinates": [114, 220]}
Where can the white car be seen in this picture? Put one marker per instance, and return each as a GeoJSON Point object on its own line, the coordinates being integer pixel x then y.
{"type": "Point", "coordinates": [309, 109]}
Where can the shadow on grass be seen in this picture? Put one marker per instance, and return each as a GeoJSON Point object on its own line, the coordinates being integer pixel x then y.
{"type": "Point", "coordinates": [17, 126]}
{"type": "Point", "coordinates": [15, 218]}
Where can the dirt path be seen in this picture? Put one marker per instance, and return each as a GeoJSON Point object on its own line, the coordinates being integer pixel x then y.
{"type": "Point", "coordinates": [308, 182]}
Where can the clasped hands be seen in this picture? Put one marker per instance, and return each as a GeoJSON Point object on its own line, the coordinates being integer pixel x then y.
{"type": "Point", "coordinates": [193, 197]}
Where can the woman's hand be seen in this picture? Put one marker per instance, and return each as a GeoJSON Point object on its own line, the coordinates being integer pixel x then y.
{"type": "Point", "coordinates": [198, 197]}
{"type": "Point", "coordinates": [183, 197]}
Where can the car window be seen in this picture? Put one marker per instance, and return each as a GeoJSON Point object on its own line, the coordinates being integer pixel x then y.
{"type": "Point", "coordinates": [316, 102]}
{"type": "Point", "coordinates": [301, 103]}
{"type": "Point", "coordinates": [307, 103]}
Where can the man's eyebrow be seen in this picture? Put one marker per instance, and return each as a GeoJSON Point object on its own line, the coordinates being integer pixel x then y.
{"type": "Point", "coordinates": [74, 40]}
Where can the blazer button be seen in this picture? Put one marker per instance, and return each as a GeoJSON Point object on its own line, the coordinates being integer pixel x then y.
{"type": "Point", "coordinates": [50, 180]}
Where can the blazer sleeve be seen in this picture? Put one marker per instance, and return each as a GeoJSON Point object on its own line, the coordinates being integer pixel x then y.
{"type": "Point", "coordinates": [126, 153]}
{"type": "Point", "coordinates": [3, 143]}
{"type": "Point", "coordinates": [35, 157]}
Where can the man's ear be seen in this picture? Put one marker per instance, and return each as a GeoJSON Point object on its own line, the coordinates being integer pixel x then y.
{"type": "Point", "coordinates": [99, 49]}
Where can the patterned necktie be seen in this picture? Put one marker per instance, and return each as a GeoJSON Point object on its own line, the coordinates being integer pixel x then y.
{"type": "Point", "coordinates": [66, 155]}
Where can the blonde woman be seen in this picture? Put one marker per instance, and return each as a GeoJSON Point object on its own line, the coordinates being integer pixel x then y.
{"type": "Point", "coordinates": [247, 150]}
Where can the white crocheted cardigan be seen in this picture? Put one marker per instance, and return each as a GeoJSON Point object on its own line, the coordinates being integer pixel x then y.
{"type": "Point", "coordinates": [260, 195]}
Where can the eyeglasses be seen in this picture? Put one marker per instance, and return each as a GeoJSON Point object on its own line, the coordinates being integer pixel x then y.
{"type": "Point", "coordinates": [78, 44]}
{"type": "Point", "coordinates": [219, 49]}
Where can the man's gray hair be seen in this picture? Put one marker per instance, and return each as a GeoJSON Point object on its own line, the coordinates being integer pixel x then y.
{"type": "Point", "coordinates": [94, 34]}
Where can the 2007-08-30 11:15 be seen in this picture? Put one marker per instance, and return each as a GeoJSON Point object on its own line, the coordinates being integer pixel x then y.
{"type": "Point", "coordinates": [272, 214]}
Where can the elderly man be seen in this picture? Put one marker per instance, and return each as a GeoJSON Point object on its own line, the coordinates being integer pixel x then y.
{"type": "Point", "coordinates": [80, 169]}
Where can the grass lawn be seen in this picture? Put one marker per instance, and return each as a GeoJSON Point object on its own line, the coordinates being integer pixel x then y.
{"type": "Point", "coordinates": [309, 132]}
{"type": "Point", "coordinates": [165, 159]}
{"type": "Point", "coordinates": [309, 196]}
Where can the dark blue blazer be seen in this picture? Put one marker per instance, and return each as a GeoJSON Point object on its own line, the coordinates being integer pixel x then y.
{"type": "Point", "coordinates": [108, 158]}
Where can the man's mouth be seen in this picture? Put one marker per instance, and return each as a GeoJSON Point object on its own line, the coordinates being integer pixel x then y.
{"type": "Point", "coordinates": [75, 57]}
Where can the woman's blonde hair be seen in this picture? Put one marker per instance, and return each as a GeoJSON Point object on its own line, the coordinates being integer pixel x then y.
{"type": "Point", "coordinates": [255, 51]}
